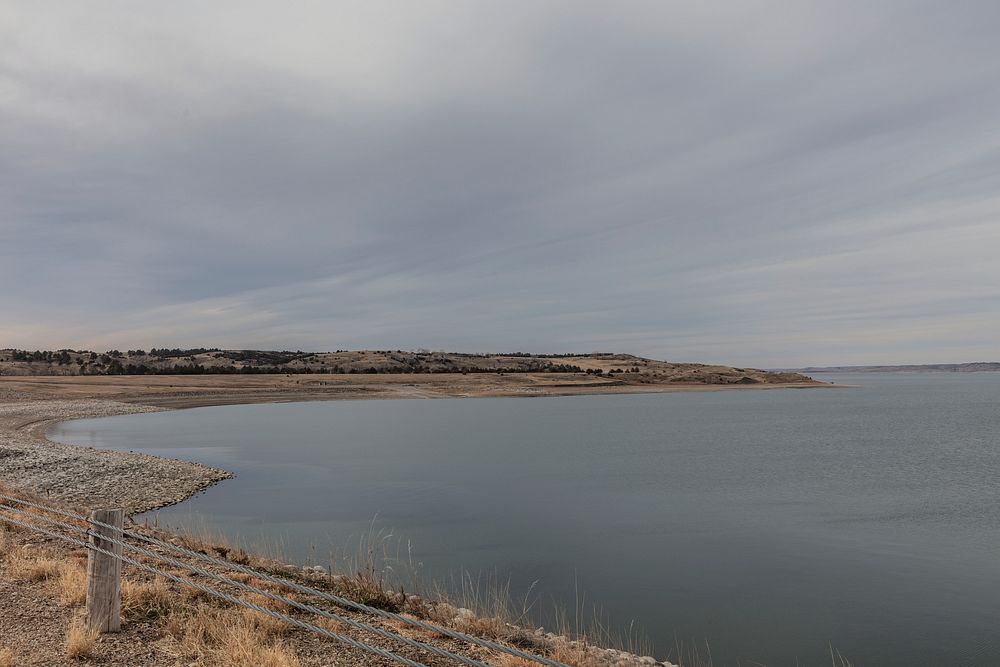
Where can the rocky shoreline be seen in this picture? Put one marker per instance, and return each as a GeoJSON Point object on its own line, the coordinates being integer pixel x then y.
{"type": "Point", "coordinates": [85, 476]}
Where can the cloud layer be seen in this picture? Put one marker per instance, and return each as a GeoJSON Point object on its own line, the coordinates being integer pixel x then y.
{"type": "Point", "coordinates": [760, 183]}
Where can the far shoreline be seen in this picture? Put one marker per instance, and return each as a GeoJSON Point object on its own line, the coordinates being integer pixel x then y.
{"type": "Point", "coordinates": [178, 391]}
{"type": "Point", "coordinates": [172, 403]}
{"type": "Point", "coordinates": [31, 405]}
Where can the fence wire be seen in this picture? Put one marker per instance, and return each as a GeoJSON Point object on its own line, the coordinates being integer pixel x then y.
{"type": "Point", "coordinates": [253, 589]}
{"type": "Point", "coordinates": [290, 585]}
{"type": "Point", "coordinates": [219, 594]}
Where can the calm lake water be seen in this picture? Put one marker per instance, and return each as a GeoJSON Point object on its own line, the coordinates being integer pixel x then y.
{"type": "Point", "coordinates": [769, 524]}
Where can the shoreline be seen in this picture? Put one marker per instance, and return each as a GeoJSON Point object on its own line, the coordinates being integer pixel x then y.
{"type": "Point", "coordinates": [188, 402]}
{"type": "Point", "coordinates": [91, 477]}
{"type": "Point", "coordinates": [88, 476]}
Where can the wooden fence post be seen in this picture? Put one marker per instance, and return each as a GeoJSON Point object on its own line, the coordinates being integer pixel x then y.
{"type": "Point", "coordinates": [104, 573]}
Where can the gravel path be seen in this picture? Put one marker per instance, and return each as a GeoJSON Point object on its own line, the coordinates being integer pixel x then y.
{"type": "Point", "coordinates": [85, 476]}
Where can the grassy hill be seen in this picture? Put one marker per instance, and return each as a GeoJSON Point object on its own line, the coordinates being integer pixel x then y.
{"type": "Point", "coordinates": [201, 361]}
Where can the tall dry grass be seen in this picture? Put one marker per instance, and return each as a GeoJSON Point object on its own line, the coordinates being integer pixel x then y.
{"type": "Point", "coordinates": [31, 566]}
{"type": "Point", "coordinates": [200, 536]}
{"type": "Point", "coordinates": [699, 654]}
{"type": "Point", "coordinates": [574, 656]}
{"type": "Point", "coordinates": [374, 574]}
{"type": "Point", "coordinates": [81, 640]}
{"type": "Point", "coordinates": [217, 637]}
{"type": "Point", "coordinates": [147, 600]}
{"type": "Point", "coordinates": [837, 659]}
{"type": "Point", "coordinates": [371, 575]}
{"type": "Point", "coordinates": [269, 625]}
{"type": "Point", "coordinates": [72, 584]}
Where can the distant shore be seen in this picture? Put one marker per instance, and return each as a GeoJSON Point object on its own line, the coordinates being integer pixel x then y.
{"type": "Point", "coordinates": [91, 477]}
{"type": "Point", "coordinates": [972, 367]}
{"type": "Point", "coordinates": [181, 391]}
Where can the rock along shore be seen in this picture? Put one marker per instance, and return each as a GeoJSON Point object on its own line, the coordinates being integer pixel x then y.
{"type": "Point", "coordinates": [86, 476]}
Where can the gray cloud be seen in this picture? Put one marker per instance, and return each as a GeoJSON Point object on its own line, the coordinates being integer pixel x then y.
{"type": "Point", "coordinates": [762, 183]}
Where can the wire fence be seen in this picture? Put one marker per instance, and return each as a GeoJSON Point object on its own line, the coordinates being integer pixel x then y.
{"type": "Point", "coordinates": [12, 512]}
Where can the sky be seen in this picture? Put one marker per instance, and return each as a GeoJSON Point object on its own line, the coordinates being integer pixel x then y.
{"type": "Point", "coordinates": [768, 184]}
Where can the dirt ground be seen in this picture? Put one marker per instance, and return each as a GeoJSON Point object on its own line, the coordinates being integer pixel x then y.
{"type": "Point", "coordinates": [177, 391]}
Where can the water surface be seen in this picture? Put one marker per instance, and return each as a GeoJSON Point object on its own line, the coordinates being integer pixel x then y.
{"type": "Point", "coordinates": [770, 524]}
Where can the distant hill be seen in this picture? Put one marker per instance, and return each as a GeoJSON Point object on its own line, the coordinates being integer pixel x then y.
{"type": "Point", "coordinates": [625, 368]}
{"type": "Point", "coordinates": [974, 367]}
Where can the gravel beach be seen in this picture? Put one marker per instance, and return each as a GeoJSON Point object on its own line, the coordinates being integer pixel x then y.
{"type": "Point", "coordinates": [85, 476]}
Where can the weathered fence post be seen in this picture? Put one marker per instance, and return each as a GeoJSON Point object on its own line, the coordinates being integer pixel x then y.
{"type": "Point", "coordinates": [104, 572]}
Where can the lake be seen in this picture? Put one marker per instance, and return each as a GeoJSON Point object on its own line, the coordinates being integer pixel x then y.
{"type": "Point", "coordinates": [770, 525]}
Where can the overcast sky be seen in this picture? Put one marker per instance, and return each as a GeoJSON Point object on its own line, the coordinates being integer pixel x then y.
{"type": "Point", "coordinates": [755, 183]}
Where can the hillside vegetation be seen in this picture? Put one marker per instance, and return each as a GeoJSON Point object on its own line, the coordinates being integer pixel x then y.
{"type": "Point", "coordinates": [627, 369]}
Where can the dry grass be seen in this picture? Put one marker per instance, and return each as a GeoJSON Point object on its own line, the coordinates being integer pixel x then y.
{"type": "Point", "coordinates": [34, 568]}
{"type": "Point", "coordinates": [214, 637]}
{"type": "Point", "coordinates": [489, 627]}
{"type": "Point", "coordinates": [331, 624]}
{"type": "Point", "coordinates": [512, 661]}
{"type": "Point", "coordinates": [6, 657]}
{"type": "Point", "coordinates": [72, 583]}
{"type": "Point", "coordinates": [248, 580]}
{"type": "Point", "coordinates": [839, 660]}
{"type": "Point", "coordinates": [692, 654]}
{"type": "Point", "coordinates": [367, 586]}
{"type": "Point", "coordinates": [195, 594]}
{"type": "Point", "coordinates": [497, 615]}
{"type": "Point", "coordinates": [575, 656]}
{"type": "Point", "coordinates": [216, 543]}
{"type": "Point", "coordinates": [147, 601]}
{"type": "Point", "coordinates": [81, 640]}
{"type": "Point", "coordinates": [209, 634]}
{"type": "Point", "coordinates": [370, 572]}
{"type": "Point", "coordinates": [42, 569]}
{"type": "Point", "coordinates": [269, 625]}
{"type": "Point", "coordinates": [407, 630]}
{"type": "Point", "coordinates": [240, 577]}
